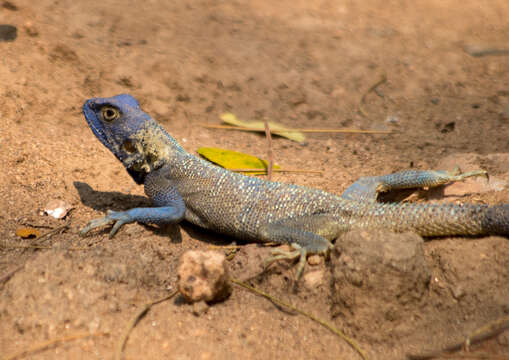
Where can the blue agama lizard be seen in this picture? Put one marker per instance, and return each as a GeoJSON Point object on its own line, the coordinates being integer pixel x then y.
{"type": "Point", "coordinates": [183, 186]}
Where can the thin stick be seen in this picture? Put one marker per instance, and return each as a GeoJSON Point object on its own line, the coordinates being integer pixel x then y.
{"type": "Point", "coordinates": [305, 130]}
{"type": "Point", "coordinates": [47, 344]}
{"type": "Point", "coordinates": [50, 233]}
{"type": "Point", "coordinates": [269, 150]}
{"type": "Point", "coordinates": [339, 333]}
{"type": "Point", "coordinates": [485, 51]}
{"type": "Point", "coordinates": [7, 276]}
{"type": "Point", "coordinates": [485, 332]}
{"type": "Point", "coordinates": [134, 320]}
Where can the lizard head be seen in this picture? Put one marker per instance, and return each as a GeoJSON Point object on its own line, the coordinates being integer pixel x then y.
{"type": "Point", "coordinates": [128, 132]}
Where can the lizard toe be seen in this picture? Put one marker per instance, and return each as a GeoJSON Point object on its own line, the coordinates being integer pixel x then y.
{"type": "Point", "coordinates": [299, 253]}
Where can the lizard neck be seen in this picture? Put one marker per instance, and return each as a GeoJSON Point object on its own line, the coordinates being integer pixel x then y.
{"type": "Point", "coordinates": [151, 147]}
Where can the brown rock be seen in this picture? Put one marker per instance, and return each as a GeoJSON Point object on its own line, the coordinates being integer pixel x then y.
{"type": "Point", "coordinates": [315, 260]}
{"type": "Point", "coordinates": [390, 265]}
{"type": "Point", "coordinates": [203, 276]}
{"type": "Point", "coordinates": [313, 279]}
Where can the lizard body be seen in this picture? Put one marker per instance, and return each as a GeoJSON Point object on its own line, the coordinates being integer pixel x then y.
{"type": "Point", "coordinates": [183, 186]}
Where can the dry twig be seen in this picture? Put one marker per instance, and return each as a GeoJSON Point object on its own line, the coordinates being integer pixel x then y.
{"type": "Point", "coordinates": [279, 302]}
{"type": "Point", "coordinates": [134, 320]}
{"type": "Point", "coordinates": [269, 150]}
{"type": "Point", "coordinates": [7, 276]}
{"type": "Point", "coordinates": [483, 333]}
{"type": "Point", "coordinates": [305, 130]}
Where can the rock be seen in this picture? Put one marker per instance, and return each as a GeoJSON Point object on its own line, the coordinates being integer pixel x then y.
{"type": "Point", "coordinates": [30, 29]}
{"type": "Point", "coordinates": [315, 260]}
{"type": "Point", "coordinates": [313, 279]}
{"type": "Point", "coordinates": [57, 208]}
{"type": "Point", "coordinates": [458, 292]}
{"type": "Point", "coordinates": [200, 308]}
{"type": "Point", "coordinates": [503, 339]}
{"type": "Point", "coordinates": [203, 276]}
{"type": "Point", "coordinates": [390, 265]}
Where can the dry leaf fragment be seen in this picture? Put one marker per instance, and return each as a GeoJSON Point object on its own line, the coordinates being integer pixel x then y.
{"type": "Point", "coordinates": [28, 232]}
{"type": "Point", "coordinates": [275, 128]}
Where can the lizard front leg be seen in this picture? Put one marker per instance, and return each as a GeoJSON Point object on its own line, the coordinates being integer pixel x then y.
{"type": "Point", "coordinates": [170, 208]}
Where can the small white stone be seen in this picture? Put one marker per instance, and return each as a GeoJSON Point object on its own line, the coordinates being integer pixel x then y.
{"type": "Point", "coordinates": [57, 208]}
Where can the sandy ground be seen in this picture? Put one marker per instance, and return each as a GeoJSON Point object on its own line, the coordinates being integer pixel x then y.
{"type": "Point", "coordinates": [302, 63]}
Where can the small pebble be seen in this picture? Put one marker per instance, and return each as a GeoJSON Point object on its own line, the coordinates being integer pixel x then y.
{"type": "Point", "coordinates": [57, 208]}
{"type": "Point", "coordinates": [457, 292]}
{"type": "Point", "coordinates": [30, 29]}
{"type": "Point", "coordinates": [313, 279]}
{"type": "Point", "coordinates": [315, 260]}
{"type": "Point", "coordinates": [392, 119]}
{"type": "Point", "coordinates": [203, 276]}
{"type": "Point", "coordinates": [200, 308]}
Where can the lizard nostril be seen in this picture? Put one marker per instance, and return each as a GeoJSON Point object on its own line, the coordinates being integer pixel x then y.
{"type": "Point", "coordinates": [129, 146]}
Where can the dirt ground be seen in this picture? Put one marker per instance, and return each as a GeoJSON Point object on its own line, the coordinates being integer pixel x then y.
{"type": "Point", "coordinates": [302, 63]}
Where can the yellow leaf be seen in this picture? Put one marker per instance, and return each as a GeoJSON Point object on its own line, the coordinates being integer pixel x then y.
{"type": "Point", "coordinates": [27, 232]}
{"type": "Point", "coordinates": [233, 160]}
{"type": "Point", "coordinates": [275, 128]}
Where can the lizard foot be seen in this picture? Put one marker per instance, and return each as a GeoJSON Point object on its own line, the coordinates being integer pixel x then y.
{"type": "Point", "coordinates": [118, 218]}
{"type": "Point", "coordinates": [457, 175]}
{"type": "Point", "coordinates": [299, 252]}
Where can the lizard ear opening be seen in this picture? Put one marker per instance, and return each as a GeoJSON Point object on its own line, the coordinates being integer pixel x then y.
{"type": "Point", "coordinates": [129, 146]}
{"type": "Point", "coordinates": [109, 113]}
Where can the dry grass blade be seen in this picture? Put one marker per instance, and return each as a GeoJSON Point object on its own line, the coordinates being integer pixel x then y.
{"type": "Point", "coordinates": [50, 233]}
{"type": "Point", "coordinates": [304, 130]}
{"type": "Point", "coordinates": [476, 50]}
{"type": "Point", "coordinates": [7, 276]}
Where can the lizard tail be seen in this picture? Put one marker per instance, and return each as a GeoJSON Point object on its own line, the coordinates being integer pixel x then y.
{"type": "Point", "coordinates": [437, 219]}
{"type": "Point", "coordinates": [496, 220]}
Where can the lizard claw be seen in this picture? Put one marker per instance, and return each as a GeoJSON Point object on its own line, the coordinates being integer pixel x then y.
{"type": "Point", "coordinates": [118, 218]}
{"type": "Point", "coordinates": [299, 252]}
{"type": "Point", "coordinates": [461, 176]}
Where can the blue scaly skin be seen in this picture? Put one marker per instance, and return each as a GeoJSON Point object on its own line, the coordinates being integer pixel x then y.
{"type": "Point", "coordinates": [183, 186]}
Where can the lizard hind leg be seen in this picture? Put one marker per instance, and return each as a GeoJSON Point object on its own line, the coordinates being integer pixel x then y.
{"type": "Point", "coordinates": [298, 252]}
{"type": "Point", "coordinates": [368, 188]}
{"type": "Point", "coordinates": [303, 242]}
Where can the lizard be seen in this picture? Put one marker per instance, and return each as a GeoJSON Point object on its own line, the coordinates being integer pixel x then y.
{"type": "Point", "coordinates": [184, 186]}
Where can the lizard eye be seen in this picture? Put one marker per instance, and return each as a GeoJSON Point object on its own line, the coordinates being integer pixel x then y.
{"type": "Point", "coordinates": [109, 113]}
